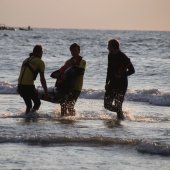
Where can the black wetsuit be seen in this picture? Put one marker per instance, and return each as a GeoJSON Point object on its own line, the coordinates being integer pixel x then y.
{"type": "Point", "coordinates": [119, 68]}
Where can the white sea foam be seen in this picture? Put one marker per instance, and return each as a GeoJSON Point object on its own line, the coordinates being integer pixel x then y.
{"type": "Point", "coordinates": [8, 88]}
{"type": "Point", "coordinates": [151, 96]}
{"type": "Point", "coordinates": [154, 148]}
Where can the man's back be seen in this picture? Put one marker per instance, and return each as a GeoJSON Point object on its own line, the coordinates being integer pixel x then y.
{"type": "Point", "coordinates": [30, 66]}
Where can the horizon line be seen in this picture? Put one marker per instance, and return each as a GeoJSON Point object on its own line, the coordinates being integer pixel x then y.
{"type": "Point", "coordinates": [99, 29]}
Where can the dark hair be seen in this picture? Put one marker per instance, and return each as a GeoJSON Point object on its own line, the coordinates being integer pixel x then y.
{"type": "Point", "coordinates": [37, 49]}
{"type": "Point", "coordinates": [72, 46]}
{"type": "Point", "coordinates": [114, 43]}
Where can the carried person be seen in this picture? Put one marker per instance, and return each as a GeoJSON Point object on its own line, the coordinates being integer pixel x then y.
{"type": "Point", "coordinates": [118, 70]}
{"type": "Point", "coordinates": [31, 67]}
{"type": "Point", "coordinates": [70, 81]}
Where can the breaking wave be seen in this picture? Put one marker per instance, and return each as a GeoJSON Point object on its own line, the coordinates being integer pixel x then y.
{"type": "Point", "coordinates": [151, 96]}
{"type": "Point", "coordinates": [154, 148]}
{"type": "Point", "coordinates": [139, 145]}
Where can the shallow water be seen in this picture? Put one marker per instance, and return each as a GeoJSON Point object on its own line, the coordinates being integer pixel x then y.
{"type": "Point", "coordinates": [93, 139]}
{"type": "Point", "coordinates": [77, 157]}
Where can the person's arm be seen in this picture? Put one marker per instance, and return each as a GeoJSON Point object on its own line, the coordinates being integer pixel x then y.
{"type": "Point", "coordinates": [109, 72]}
{"type": "Point", "coordinates": [130, 69]}
{"type": "Point", "coordinates": [126, 69]}
{"type": "Point", "coordinates": [43, 83]}
{"type": "Point", "coordinates": [107, 78]}
{"type": "Point", "coordinates": [56, 74]}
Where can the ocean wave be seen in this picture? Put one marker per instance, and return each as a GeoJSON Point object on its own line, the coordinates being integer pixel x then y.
{"type": "Point", "coordinates": [8, 88]}
{"type": "Point", "coordinates": [154, 148]}
{"type": "Point", "coordinates": [151, 96]}
{"type": "Point", "coordinates": [141, 146]}
{"type": "Point", "coordinates": [55, 139]}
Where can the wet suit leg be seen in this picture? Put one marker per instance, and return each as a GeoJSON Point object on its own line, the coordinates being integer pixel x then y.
{"type": "Point", "coordinates": [28, 104]}
{"type": "Point", "coordinates": [67, 105]}
{"type": "Point", "coordinates": [118, 98]}
{"type": "Point", "coordinates": [63, 103]}
{"type": "Point", "coordinates": [72, 101]}
{"type": "Point", "coordinates": [36, 100]}
{"type": "Point", "coordinates": [28, 93]}
{"type": "Point", "coordinates": [108, 101]}
{"type": "Point", "coordinates": [67, 108]}
{"type": "Point", "coordinates": [63, 91]}
{"type": "Point", "coordinates": [63, 108]}
{"type": "Point", "coordinates": [118, 103]}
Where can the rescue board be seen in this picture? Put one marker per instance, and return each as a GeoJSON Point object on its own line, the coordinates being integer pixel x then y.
{"type": "Point", "coordinates": [53, 95]}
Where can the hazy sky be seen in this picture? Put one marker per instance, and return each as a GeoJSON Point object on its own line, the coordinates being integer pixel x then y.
{"type": "Point", "coordinates": [90, 14]}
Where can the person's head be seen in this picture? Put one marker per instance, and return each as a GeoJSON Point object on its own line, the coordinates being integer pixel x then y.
{"type": "Point", "coordinates": [37, 51]}
{"type": "Point", "coordinates": [113, 46]}
{"type": "Point", "coordinates": [75, 50]}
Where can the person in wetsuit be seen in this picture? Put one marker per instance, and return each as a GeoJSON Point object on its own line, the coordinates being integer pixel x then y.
{"type": "Point", "coordinates": [118, 70]}
{"type": "Point", "coordinates": [28, 73]}
{"type": "Point", "coordinates": [70, 80]}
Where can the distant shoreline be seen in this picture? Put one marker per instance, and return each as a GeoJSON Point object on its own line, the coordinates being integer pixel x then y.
{"type": "Point", "coordinates": [14, 28]}
{"type": "Point", "coordinates": [4, 27]}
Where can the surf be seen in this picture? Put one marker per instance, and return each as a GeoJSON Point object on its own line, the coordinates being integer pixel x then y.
{"type": "Point", "coordinates": [150, 96]}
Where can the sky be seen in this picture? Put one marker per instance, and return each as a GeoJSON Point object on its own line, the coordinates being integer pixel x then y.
{"type": "Point", "coordinates": [87, 14]}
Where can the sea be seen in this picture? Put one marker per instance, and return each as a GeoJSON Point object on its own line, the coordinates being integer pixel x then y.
{"type": "Point", "coordinates": [93, 139]}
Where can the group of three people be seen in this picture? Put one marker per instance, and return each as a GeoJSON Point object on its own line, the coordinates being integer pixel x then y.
{"type": "Point", "coordinates": [70, 79]}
